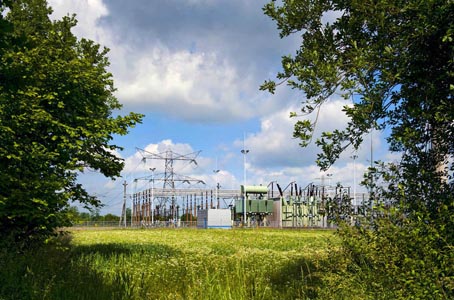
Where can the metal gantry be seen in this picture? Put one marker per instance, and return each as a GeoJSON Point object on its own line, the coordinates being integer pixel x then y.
{"type": "Point", "coordinates": [168, 206]}
{"type": "Point", "coordinates": [187, 203]}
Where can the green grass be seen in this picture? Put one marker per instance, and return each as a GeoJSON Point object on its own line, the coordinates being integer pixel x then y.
{"type": "Point", "coordinates": [170, 264]}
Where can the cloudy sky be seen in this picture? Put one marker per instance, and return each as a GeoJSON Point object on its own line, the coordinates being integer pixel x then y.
{"type": "Point", "coordinates": [194, 68]}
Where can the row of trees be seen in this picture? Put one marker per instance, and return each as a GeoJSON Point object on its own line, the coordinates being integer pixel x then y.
{"type": "Point", "coordinates": [395, 61]}
{"type": "Point", "coordinates": [76, 216]}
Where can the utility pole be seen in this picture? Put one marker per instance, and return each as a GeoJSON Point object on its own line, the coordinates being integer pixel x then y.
{"type": "Point", "coordinates": [371, 191]}
{"type": "Point", "coordinates": [217, 186]}
{"type": "Point", "coordinates": [244, 151]}
{"type": "Point", "coordinates": [354, 157]}
{"type": "Point", "coordinates": [123, 211]}
{"type": "Point", "coordinates": [152, 195]}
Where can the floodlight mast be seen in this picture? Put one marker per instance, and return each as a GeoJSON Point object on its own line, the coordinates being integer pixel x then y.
{"type": "Point", "coordinates": [244, 151]}
{"type": "Point", "coordinates": [123, 211]}
{"type": "Point", "coordinates": [354, 157]}
{"type": "Point", "coordinates": [217, 186]}
{"type": "Point", "coordinates": [152, 195]}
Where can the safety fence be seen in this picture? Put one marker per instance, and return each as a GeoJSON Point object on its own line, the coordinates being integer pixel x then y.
{"type": "Point", "coordinates": [192, 224]}
{"type": "Point", "coordinates": [116, 224]}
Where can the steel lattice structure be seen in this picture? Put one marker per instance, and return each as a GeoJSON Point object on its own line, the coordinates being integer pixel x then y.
{"type": "Point", "coordinates": [169, 157]}
{"type": "Point", "coordinates": [169, 193]}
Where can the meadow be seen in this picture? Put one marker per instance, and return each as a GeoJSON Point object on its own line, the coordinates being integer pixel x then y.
{"type": "Point", "coordinates": [170, 264]}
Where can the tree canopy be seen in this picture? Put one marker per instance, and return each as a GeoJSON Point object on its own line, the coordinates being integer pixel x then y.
{"type": "Point", "coordinates": [57, 118]}
{"type": "Point", "coordinates": [394, 59]}
{"type": "Point", "coordinates": [393, 62]}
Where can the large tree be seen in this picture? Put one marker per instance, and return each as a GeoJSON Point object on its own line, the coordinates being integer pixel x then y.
{"type": "Point", "coordinates": [57, 117]}
{"type": "Point", "coordinates": [393, 58]}
{"type": "Point", "coordinates": [393, 62]}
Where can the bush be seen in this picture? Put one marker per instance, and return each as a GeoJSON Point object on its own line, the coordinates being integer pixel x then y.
{"type": "Point", "coordinates": [392, 259]}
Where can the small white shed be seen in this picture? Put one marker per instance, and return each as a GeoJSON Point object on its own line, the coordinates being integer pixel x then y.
{"type": "Point", "coordinates": [214, 218]}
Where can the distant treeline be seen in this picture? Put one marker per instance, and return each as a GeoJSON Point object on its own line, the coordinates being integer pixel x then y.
{"type": "Point", "coordinates": [77, 216]}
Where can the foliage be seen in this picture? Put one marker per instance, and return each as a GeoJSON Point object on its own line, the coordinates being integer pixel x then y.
{"type": "Point", "coordinates": [110, 218]}
{"type": "Point", "coordinates": [169, 264]}
{"type": "Point", "coordinates": [397, 259]}
{"type": "Point", "coordinates": [394, 59]}
{"type": "Point", "coordinates": [393, 63]}
{"type": "Point", "coordinates": [75, 216]}
{"type": "Point", "coordinates": [56, 119]}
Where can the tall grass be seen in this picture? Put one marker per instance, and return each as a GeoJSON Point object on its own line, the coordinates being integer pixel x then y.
{"type": "Point", "coordinates": [169, 264]}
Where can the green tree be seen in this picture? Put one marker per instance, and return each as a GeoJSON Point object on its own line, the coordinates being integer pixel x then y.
{"type": "Point", "coordinates": [73, 214]}
{"type": "Point", "coordinates": [394, 60]}
{"type": "Point", "coordinates": [56, 119]}
{"type": "Point", "coordinates": [111, 217]}
{"type": "Point", "coordinates": [84, 216]}
{"type": "Point", "coordinates": [94, 214]}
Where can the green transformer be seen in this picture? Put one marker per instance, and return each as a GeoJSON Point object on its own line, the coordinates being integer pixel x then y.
{"type": "Point", "coordinates": [256, 202]}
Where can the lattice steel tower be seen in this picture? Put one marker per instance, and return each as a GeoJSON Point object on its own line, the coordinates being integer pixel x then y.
{"type": "Point", "coordinates": [170, 177]}
{"type": "Point", "coordinates": [169, 157]}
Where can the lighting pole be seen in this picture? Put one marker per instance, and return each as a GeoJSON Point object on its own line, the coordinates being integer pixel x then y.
{"type": "Point", "coordinates": [329, 179]}
{"type": "Point", "coordinates": [152, 195]}
{"type": "Point", "coordinates": [217, 186]}
{"type": "Point", "coordinates": [371, 198]}
{"type": "Point", "coordinates": [244, 151]}
{"type": "Point", "coordinates": [124, 201]}
{"type": "Point", "coordinates": [354, 157]}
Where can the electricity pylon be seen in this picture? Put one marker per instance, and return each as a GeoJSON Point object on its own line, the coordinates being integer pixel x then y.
{"type": "Point", "coordinates": [170, 177]}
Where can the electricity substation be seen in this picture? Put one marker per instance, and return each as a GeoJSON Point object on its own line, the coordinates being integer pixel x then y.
{"type": "Point", "coordinates": [270, 205]}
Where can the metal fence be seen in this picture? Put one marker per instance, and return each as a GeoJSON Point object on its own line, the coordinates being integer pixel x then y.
{"type": "Point", "coordinates": [116, 224]}
{"type": "Point", "coordinates": [191, 224]}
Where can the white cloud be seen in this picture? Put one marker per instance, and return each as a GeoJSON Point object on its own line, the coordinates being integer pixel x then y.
{"type": "Point", "coordinates": [88, 14]}
{"type": "Point", "coordinates": [191, 86]}
{"type": "Point", "coordinates": [274, 146]}
{"type": "Point", "coordinates": [154, 155]}
{"type": "Point", "coordinates": [206, 84]}
{"type": "Point", "coordinates": [275, 155]}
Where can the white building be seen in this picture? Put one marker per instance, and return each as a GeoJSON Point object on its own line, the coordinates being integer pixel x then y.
{"type": "Point", "coordinates": [214, 218]}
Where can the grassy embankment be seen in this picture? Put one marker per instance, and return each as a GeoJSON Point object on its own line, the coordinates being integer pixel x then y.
{"type": "Point", "coordinates": [170, 264]}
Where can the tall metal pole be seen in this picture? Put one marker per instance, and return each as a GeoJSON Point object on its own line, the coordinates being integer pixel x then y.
{"type": "Point", "coordinates": [329, 179]}
{"type": "Point", "coordinates": [354, 178]}
{"type": "Point", "coordinates": [244, 151]}
{"type": "Point", "coordinates": [370, 172]}
{"type": "Point", "coordinates": [217, 186]}
{"type": "Point", "coordinates": [124, 200]}
{"type": "Point", "coordinates": [152, 195]}
{"type": "Point", "coordinates": [371, 150]}
{"type": "Point", "coordinates": [132, 207]}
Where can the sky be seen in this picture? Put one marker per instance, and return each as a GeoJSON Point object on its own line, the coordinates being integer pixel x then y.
{"type": "Point", "coordinates": [194, 68]}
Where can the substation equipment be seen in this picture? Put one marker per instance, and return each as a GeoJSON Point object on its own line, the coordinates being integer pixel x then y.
{"type": "Point", "coordinates": [250, 206]}
{"type": "Point", "coordinates": [312, 206]}
{"type": "Point", "coordinates": [170, 205]}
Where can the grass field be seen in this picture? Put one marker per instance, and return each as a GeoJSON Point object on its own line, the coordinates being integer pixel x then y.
{"type": "Point", "coordinates": [170, 264]}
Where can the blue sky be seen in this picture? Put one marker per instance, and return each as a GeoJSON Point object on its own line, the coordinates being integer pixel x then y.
{"type": "Point", "coordinates": [194, 68]}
